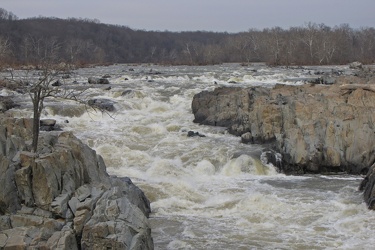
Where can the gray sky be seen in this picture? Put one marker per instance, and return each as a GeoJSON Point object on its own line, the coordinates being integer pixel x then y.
{"type": "Point", "coordinates": [208, 15]}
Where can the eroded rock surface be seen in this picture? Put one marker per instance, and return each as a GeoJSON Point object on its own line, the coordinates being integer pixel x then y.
{"type": "Point", "coordinates": [63, 198]}
{"type": "Point", "coordinates": [316, 128]}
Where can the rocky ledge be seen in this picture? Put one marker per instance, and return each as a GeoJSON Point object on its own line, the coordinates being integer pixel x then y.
{"type": "Point", "coordinates": [316, 128]}
{"type": "Point", "coordinates": [63, 198]}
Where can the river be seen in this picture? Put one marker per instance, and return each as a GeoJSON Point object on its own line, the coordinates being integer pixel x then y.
{"type": "Point", "coordinates": [211, 192]}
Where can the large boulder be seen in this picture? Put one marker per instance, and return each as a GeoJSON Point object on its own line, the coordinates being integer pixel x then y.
{"type": "Point", "coordinates": [62, 197]}
{"type": "Point", "coordinates": [6, 103]}
{"type": "Point", "coordinates": [108, 227]}
{"type": "Point", "coordinates": [316, 128]}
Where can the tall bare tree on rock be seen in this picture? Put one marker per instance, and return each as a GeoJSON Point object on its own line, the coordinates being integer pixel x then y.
{"type": "Point", "coordinates": [45, 58]}
{"type": "Point", "coordinates": [44, 79]}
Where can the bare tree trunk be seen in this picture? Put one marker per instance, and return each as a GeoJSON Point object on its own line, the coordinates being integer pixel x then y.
{"type": "Point", "coordinates": [37, 108]}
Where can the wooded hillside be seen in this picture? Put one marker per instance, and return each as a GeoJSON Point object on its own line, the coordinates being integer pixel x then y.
{"type": "Point", "coordinates": [84, 41]}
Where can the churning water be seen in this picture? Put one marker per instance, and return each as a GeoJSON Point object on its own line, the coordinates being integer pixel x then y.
{"type": "Point", "coordinates": [211, 192]}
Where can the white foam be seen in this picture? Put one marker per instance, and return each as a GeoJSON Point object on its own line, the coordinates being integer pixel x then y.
{"type": "Point", "coordinates": [7, 92]}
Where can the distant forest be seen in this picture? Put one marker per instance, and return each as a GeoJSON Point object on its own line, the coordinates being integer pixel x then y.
{"type": "Point", "coordinates": [86, 41]}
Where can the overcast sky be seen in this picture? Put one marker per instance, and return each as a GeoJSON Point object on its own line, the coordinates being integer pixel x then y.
{"type": "Point", "coordinates": [208, 15]}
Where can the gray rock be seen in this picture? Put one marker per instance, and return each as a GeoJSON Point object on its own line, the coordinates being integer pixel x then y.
{"type": "Point", "coordinates": [102, 104]}
{"type": "Point", "coordinates": [109, 225]}
{"type": "Point", "coordinates": [328, 80]}
{"type": "Point", "coordinates": [6, 103]}
{"type": "Point", "coordinates": [57, 83]}
{"type": "Point", "coordinates": [23, 182]}
{"type": "Point", "coordinates": [18, 237]}
{"type": "Point", "coordinates": [316, 128]}
{"type": "Point", "coordinates": [247, 137]}
{"type": "Point", "coordinates": [59, 205]}
{"type": "Point", "coordinates": [93, 80]}
{"type": "Point", "coordinates": [367, 186]}
{"type": "Point", "coordinates": [4, 222]}
{"type": "Point", "coordinates": [9, 200]}
{"type": "Point", "coordinates": [50, 200]}
{"type": "Point", "coordinates": [80, 219]}
{"type": "Point", "coordinates": [63, 240]}
{"type": "Point", "coordinates": [47, 122]}
{"type": "Point", "coordinates": [3, 107]}
{"type": "Point", "coordinates": [355, 65]}
{"type": "Point", "coordinates": [133, 193]}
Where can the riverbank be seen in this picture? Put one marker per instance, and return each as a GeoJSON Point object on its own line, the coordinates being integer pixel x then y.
{"type": "Point", "coordinates": [62, 197]}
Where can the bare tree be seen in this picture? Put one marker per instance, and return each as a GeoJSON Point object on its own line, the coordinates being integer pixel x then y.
{"type": "Point", "coordinates": [75, 49]}
{"type": "Point", "coordinates": [7, 15]}
{"type": "Point", "coordinates": [38, 91]}
{"type": "Point", "coordinates": [309, 39]}
{"type": "Point", "coordinates": [326, 47]}
{"type": "Point", "coordinates": [48, 68]}
{"type": "Point", "coordinates": [254, 51]}
{"type": "Point", "coordinates": [4, 47]}
{"type": "Point", "coordinates": [45, 58]}
{"type": "Point", "coordinates": [275, 43]}
{"type": "Point", "coordinates": [189, 52]}
{"type": "Point", "coordinates": [365, 40]}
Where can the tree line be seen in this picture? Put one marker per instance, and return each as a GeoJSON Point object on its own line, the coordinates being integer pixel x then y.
{"type": "Point", "coordinates": [87, 41]}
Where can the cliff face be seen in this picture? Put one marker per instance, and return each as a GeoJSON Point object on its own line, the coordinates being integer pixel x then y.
{"type": "Point", "coordinates": [63, 198]}
{"type": "Point", "coordinates": [316, 128]}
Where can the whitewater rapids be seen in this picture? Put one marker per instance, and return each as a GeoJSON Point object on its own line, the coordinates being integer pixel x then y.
{"type": "Point", "coordinates": [211, 192]}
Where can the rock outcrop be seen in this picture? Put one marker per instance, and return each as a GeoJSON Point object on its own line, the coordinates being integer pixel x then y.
{"type": "Point", "coordinates": [367, 186]}
{"type": "Point", "coordinates": [316, 128]}
{"type": "Point", "coordinates": [63, 198]}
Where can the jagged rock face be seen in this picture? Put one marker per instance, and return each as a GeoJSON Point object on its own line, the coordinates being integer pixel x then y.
{"type": "Point", "coordinates": [63, 198]}
{"type": "Point", "coordinates": [367, 186]}
{"type": "Point", "coordinates": [316, 128]}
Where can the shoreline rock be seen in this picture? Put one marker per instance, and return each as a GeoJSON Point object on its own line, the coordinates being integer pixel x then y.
{"type": "Point", "coordinates": [317, 128]}
{"type": "Point", "coordinates": [63, 197]}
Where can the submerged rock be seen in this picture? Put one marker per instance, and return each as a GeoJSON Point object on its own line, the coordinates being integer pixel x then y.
{"type": "Point", "coordinates": [316, 128]}
{"type": "Point", "coordinates": [93, 80]}
{"type": "Point", "coordinates": [57, 83]}
{"type": "Point", "coordinates": [194, 134]}
{"type": "Point", "coordinates": [63, 198]}
{"type": "Point", "coordinates": [102, 104]}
